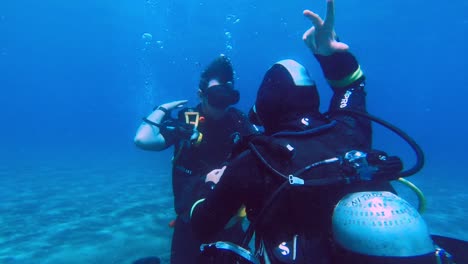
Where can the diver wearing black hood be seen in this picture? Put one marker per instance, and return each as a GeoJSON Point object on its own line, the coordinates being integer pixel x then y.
{"type": "Point", "coordinates": [292, 179]}
{"type": "Point", "coordinates": [203, 137]}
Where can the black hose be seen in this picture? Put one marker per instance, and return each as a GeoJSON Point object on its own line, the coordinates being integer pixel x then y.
{"type": "Point", "coordinates": [417, 149]}
{"type": "Point", "coordinates": [413, 170]}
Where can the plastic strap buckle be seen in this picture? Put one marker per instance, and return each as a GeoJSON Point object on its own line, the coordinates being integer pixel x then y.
{"type": "Point", "coordinates": [295, 180]}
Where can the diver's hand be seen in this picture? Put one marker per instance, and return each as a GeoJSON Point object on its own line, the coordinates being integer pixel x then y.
{"type": "Point", "coordinates": [321, 38]}
{"type": "Point", "coordinates": [173, 105]}
{"type": "Point", "coordinates": [215, 175]}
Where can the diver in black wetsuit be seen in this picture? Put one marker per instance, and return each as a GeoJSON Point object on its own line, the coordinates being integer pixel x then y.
{"type": "Point", "coordinates": [203, 137]}
{"type": "Point", "coordinates": [309, 168]}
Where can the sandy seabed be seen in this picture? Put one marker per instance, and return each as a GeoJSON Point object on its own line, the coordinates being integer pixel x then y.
{"type": "Point", "coordinates": [119, 212]}
{"type": "Point", "coordinates": [102, 214]}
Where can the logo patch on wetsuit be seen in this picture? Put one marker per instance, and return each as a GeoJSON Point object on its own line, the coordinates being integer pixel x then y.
{"type": "Point", "coordinates": [344, 100]}
{"type": "Point", "coordinates": [236, 137]}
{"type": "Point", "coordinates": [284, 249]}
{"type": "Point", "coordinates": [284, 252]}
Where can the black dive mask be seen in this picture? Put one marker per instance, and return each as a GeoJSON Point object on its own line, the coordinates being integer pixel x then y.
{"type": "Point", "coordinates": [222, 95]}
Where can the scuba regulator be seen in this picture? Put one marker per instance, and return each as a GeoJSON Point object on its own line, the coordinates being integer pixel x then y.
{"type": "Point", "coordinates": [374, 165]}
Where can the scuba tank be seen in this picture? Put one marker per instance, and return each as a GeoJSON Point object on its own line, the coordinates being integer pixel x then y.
{"type": "Point", "coordinates": [365, 224]}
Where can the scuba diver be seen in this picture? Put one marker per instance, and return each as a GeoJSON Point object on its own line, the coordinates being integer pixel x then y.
{"type": "Point", "coordinates": [203, 137]}
{"type": "Point", "coordinates": [314, 189]}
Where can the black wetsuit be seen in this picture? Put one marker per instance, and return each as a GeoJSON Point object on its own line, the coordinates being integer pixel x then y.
{"type": "Point", "coordinates": [191, 164]}
{"type": "Point", "coordinates": [301, 213]}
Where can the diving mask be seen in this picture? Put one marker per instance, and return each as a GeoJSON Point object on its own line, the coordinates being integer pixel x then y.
{"type": "Point", "coordinates": [222, 95]}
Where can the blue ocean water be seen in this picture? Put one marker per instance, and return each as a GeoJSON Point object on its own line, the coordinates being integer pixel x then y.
{"type": "Point", "coordinates": [77, 76]}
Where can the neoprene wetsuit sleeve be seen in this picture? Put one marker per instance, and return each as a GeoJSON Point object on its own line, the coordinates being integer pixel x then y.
{"type": "Point", "coordinates": [211, 213]}
{"type": "Point", "coordinates": [341, 69]}
{"type": "Point", "coordinates": [343, 73]}
{"type": "Point", "coordinates": [346, 78]}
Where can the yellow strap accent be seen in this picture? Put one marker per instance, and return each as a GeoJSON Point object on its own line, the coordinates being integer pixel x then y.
{"type": "Point", "coordinates": [348, 79]}
{"type": "Point", "coordinates": [199, 139]}
{"type": "Point", "coordinates": [194, 205]}
{"type": "Point", "coordinates": [241, 213]}
{"type": "Point", "coordinates": [189, 118]}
